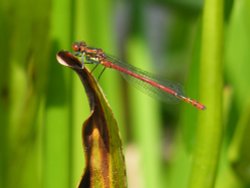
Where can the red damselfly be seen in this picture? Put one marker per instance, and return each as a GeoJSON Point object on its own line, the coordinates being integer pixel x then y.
{"type": "Point", "coordinates": [163, 89]}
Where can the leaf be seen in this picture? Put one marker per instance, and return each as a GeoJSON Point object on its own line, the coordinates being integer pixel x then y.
{"type": "Point", "coordinates": [239, 153]}
{"type": "Point", "coordinates": [237, 52]}
{"type": "Point", "coordinates": [105, 166]}
{"type": "Point", "coordinates": [209, 137]}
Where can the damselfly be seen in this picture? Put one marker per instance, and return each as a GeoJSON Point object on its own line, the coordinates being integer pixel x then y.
{"type": "Point", "coordinates": [162, 89]}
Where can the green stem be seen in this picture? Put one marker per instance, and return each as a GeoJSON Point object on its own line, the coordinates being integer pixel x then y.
{"type": "Point", "coordinates": [210, 129]}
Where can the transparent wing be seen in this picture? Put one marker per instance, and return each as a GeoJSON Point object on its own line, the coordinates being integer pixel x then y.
{"type": "Point", "coordinates": [146, 87]}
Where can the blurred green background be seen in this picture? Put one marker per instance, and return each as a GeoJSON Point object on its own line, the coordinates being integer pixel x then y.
{"type": "Point", "coordinates": [43, 105]}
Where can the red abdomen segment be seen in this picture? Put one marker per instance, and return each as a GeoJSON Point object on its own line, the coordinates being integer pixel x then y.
{"type": "Point", "coordinates": [193, 102]}
{"type": "Point", "coordinates": [162, 91]}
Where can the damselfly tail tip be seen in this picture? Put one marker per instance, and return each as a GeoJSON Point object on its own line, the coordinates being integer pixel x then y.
{"type": "Point", "coordinates": [192, 101]}
{"type": "Point", "coordinates": [200, 106]}
{"type": "Point", "coordinates": [203, 107]}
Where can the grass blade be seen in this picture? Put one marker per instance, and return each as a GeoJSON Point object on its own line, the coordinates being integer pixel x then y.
{"type": "Point", "coordinates": [209, 132]}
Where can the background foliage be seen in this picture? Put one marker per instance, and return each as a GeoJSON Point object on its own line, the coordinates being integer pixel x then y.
{"type": "Point", "coordinates": [43, 105]}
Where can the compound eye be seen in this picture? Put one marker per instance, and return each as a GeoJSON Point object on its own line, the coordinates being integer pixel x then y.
{"type": "Point", "coordinates": [76, 47]}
